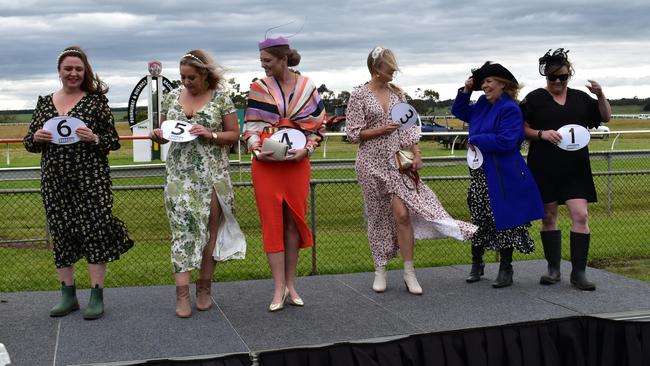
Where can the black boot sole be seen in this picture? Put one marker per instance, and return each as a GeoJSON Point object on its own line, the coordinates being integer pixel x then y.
{"type": "Point", "coordinates": [547, 280]}
{"type": "Point", "coordinates": [589, 287]}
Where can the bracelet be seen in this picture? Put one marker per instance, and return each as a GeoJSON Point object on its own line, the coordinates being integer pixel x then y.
{"type": "Point", "coordinates": [214, 137]}
{"type": "Point", "coordinates": [539, 134]}
{"type": "Point", "coordinates": [96, 139]}
{"type": "Point", "coordinates": [310, 150]}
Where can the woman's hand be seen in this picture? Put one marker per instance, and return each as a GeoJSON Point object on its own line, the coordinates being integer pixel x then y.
{"type": "Point", "coordinates": [551, 136]}
{"type": "Point", "coordinates": [389, 128]}
{"type": "Point", "coordinates": [42, 135]}
{"type": "Point", "coordinates": [469, 85]}
{"type": "Point", "coordinates": [266, 156]}
{"type": "Point", "coordinates": [156, 135]}
{"type": "Point", "coordinates": [297, 154]}
{"type": "Point", "coordinates": [417, 163]}
{"type": "Point", "coordinates": [200, 130]}
{"type": "Point", "coordinates": [86, 134]}
{"type": "Point", "coordinates": [595, 88]}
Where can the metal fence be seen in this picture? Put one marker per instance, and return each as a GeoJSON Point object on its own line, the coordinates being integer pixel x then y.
{"type": "Point", "coordinates": [619, 222]}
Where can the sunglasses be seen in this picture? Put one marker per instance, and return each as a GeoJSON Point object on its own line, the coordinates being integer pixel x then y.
{"type": "Point", "coordinates": [563, 77]}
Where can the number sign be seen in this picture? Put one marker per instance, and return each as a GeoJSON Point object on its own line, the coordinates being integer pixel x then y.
{"type": "Point", "coordinates": [63, 129]}
{"type": "Point", "coordinates": [574, 137]}
{"type": "Point", "coordinates": [177, 131]}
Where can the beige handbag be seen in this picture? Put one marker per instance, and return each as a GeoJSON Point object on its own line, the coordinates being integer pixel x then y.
{"type": "Point", "coordinates": [279, 149]}
{"type": "Point", "coordinates": [404, 160]}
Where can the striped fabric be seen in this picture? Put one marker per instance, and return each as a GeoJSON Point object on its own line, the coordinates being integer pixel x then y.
{"type": "Point", "coordinates": [267, 104]}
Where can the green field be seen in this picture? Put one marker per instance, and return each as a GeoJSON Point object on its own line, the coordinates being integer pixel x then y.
{"type": "Point", "coordinates": [620, 231]}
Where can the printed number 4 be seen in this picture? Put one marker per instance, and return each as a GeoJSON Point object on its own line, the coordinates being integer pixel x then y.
{"type": "Point", "coordinates": [285, 139]}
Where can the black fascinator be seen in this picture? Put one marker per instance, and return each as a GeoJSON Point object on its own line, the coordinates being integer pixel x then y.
{"type": "Point", "coordinates": [490, 69]}
{"type": "Point", "coordinates": [558, 59]}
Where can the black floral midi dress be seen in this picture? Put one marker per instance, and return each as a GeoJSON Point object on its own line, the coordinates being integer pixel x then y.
{"type": "Point", "coordinates": [76, 185]}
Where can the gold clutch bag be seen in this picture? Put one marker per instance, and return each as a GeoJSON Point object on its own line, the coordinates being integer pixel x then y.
{"type": "Point", "coordinates": [279, 149]}
{"type": "Point", "coordinates": [404, 160]}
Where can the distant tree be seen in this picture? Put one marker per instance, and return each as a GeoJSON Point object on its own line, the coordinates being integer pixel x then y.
{"type": "Point", "coordinates": [239, 98]}
{"type": "Point", "coordinates": [646, 108]}
{"type": "Point", "coordinates": [325, 93]}
{"type": "Point", "coordinates": [343, 97]}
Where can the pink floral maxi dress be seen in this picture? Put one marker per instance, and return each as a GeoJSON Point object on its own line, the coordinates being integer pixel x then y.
{"type": "Point", "coordinates": [380, 181]}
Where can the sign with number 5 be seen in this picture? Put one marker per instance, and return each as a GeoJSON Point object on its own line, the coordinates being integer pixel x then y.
{"type": "Point", "coordinates": [177, 131]}
{"type": "Point", "coordinates": [63, 129]}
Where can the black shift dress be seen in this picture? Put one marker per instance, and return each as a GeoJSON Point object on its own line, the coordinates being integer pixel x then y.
{"type": "Point", "coordinates": [561, 175]}
{"type": "Point", "coordinates": [76, 186]}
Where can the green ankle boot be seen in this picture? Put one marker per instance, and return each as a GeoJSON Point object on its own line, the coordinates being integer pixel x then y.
{"type": "Point", "coordinates": [68, 302]}
{"type": "Point", "coordinates": [95, 308]}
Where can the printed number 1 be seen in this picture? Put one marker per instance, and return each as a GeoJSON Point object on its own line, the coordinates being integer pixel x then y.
{"type": "Point", "coordinates": [573, 135]}
{"type": "Point", "coordinates": [285, 139]}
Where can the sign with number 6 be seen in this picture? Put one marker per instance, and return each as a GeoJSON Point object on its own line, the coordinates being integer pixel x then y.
{"type": "Point", "coordinates": [63, 129]}
{"type": "Point", "coordinates": [177, 131]}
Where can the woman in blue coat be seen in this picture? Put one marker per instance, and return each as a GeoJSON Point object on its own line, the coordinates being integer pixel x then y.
{"type": "Point", "coordinates": [503, 197]}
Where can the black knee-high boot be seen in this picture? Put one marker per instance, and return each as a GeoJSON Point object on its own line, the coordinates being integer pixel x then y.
{"type": "Point", "coordinates": [579, 254]}
{"type": "Point", "coordinates": [504, 278]}
{"type": "Point", "coordinates": [477, 264]}
{"type": "Point", "coordinates": [552, 242]}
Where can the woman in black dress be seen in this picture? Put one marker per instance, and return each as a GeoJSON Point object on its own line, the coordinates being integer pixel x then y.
{"type": "Point", "coordinates": [75, 181]}
{"type": "Point", "coordinates": [563, 177]}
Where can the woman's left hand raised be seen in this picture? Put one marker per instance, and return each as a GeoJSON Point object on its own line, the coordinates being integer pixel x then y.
{"type": "Point", "coordinates": [595, 88]}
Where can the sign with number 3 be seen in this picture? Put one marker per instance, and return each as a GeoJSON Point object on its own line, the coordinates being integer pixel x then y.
{"type": "Point", "coordinates": [63, 129]}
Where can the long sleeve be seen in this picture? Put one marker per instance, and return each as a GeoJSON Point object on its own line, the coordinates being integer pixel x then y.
{"type": "Point", "coordinates": [105, 129]}
{"type": "Point", "coordinates": [355, 119]}
{"type": "Point", "coordinates": [35, 125]}
{"type": "Point", "coordinates": [508, 135]}
{"type": "Point", "coordinates": [461, 107]}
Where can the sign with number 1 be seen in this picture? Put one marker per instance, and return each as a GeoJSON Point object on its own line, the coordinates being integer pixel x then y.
{"type": "Point", "coordinates": [574, 137]}
{"type": "Point", "coordinates": [63, 129]}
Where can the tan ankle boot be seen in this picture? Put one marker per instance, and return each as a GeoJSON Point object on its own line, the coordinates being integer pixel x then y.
{"type": "Point", "coordinates": [203, 294]}
{"type": "Point", "coordinates": [183, 307]}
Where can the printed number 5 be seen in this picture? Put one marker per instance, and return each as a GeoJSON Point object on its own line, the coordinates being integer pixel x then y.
{"type": "Point", "coordinates": [179, 126]}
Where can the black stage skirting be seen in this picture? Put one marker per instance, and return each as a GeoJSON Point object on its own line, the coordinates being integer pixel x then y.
{"type": "Point", "coordinates": [573, 341]}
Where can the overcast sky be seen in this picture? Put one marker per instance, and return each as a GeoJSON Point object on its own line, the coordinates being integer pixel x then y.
{"type": "Point", "coordinates": [436, 42]}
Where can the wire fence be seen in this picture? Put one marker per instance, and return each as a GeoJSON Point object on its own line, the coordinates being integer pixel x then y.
{"type": "Point", "coordinates": [618, 221]}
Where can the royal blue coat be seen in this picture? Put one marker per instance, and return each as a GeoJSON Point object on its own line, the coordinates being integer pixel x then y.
{"type": "Point", "coordinates": [498, 131]}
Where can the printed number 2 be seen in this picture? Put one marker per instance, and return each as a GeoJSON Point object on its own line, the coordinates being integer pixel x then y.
{"type": "Point", "coordinates": [179, 126]}
{"type": "Point", "coordinates": [285, 139]}
{"type": "Point", "coordinates": [62, 129]}
{"type": "Point", "coordinates": [573, 135]}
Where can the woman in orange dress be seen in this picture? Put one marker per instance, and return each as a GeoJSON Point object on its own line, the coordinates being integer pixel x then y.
{"type": "Point", "coordinates": [282, 100]}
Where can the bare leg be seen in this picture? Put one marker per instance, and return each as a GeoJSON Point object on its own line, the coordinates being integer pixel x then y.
{"type": "Point", "coordinates": [276, 261]}
{"type": "Point", "coordinates": [207, 262]}
{"type": "Point", "coordinates": [405, 238]}
{"type": "Point", "coordinates": [549, 221]}
{"type": "Point", "coordinates": [66, 275]}
{"type": "Point", "coordinates": [97, 274]}
{"type": "Point", "coordinates": [291, 249]}
{"type": "Point", "coordinates": [579, 215]}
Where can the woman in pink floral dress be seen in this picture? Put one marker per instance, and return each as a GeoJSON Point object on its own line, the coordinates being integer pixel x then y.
{"type": "Point", "coordinates": [399, 210]}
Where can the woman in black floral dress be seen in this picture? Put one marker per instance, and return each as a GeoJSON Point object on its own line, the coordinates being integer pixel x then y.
{"type": "Point", "coordinates": [75, 181]}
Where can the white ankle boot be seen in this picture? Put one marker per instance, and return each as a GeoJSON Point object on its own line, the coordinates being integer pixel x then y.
{"type": "Point", "coordinates": [410, 280]}
{"type": "Point", "coordinates": [379, 285]}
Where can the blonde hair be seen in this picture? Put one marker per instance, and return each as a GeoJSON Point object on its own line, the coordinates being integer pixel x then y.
{"type": "Point", "coordinates": [509, 87]}
{"type": "Point", "coordinates": [204, 64]}
{"type": "Point", "coordinates": [379, 56]}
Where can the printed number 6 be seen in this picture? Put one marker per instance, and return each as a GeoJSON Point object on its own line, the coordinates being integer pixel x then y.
{"type": "Point", "coordinates": [62, 129]}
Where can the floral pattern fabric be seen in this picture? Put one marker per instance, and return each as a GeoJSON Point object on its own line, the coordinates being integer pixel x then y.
{"type": "Point", "coordinates": [76, 185]}
{"type": "Point", "coordinates": [194, 170]}
{"type": "Point", "coordinates": [380, 181]}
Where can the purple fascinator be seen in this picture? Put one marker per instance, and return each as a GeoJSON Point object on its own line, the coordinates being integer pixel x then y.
{"type": "Point", "coordinates": [272, 42]}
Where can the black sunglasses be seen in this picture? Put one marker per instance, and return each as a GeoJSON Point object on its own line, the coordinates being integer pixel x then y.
{"type": "Point", "coordinates": [563, 77]}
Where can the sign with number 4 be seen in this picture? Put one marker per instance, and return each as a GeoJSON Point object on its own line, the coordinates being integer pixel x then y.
{"type": "Point", "coordinates": [63, 129]}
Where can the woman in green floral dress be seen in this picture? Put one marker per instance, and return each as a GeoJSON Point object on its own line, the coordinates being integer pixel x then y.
{"type": "Point", "coordinates": [198, 192]}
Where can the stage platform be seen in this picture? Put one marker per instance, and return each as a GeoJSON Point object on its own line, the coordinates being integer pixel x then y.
{"type": "Point", "coordinates": [140, 325]}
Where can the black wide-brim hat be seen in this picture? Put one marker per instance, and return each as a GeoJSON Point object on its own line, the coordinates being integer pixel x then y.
{"type": "Point", "coordinates": [491, 69]}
